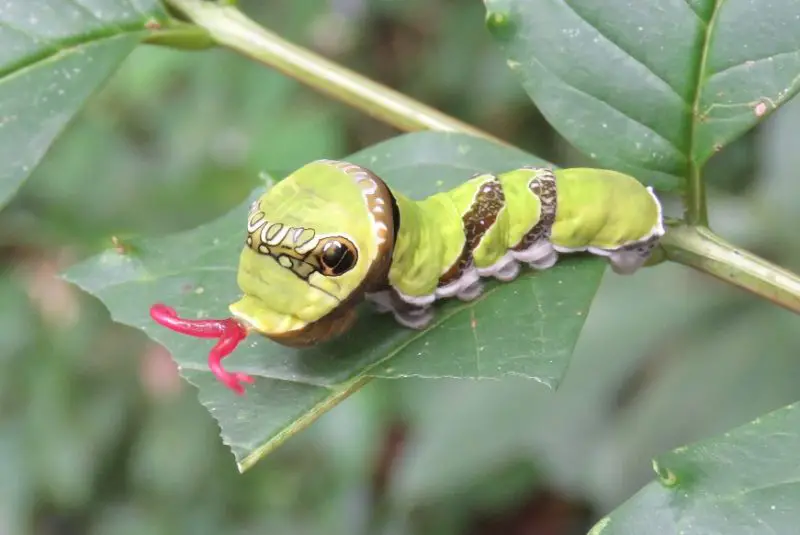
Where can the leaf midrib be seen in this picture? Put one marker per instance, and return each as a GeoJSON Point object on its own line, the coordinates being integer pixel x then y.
{"type": "Point", "coordinates": [59, 46]}
{"type": "Point", "coordinates": [694, 168]}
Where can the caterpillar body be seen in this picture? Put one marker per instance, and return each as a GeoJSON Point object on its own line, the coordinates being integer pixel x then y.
{"type": "Point", "coordinates": [333, 234]}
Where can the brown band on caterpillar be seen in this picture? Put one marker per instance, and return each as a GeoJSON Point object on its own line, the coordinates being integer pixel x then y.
{"type": "Point", "coordinates": [543, 185]}
{"type": "Point", "coordinates": [488, 201]}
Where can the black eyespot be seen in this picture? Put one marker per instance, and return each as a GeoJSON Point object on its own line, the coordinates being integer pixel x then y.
{"type": "Point", "coordinates": [337, 258]}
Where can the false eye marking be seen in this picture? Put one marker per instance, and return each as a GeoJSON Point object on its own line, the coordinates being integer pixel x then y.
{"type": "Point", "coordinates": [300, 249]}
{"type": "Point", "coordinates": [338, 257]}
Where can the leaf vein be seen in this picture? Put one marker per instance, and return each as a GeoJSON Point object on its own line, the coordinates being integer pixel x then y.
{"type": "Point", "coordinates": [751, 62]}
{"type": "Point", "coordinates": [698, 90]}
{"type": "Point", "coordinates": [66, 46]}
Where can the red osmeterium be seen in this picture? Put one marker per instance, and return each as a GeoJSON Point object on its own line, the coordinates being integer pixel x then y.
{"type": "Point", "coordinates": [229, 331]}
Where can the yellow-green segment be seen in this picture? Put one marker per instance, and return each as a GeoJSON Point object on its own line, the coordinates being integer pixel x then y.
{"type": "Point", "coordinates": [332, 234]}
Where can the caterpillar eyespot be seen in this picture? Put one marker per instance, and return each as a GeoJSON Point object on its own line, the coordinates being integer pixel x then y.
{"type": "Point", "coordinates": [333, 234]}
{"type": "Point", "coordinates": [338, 257]}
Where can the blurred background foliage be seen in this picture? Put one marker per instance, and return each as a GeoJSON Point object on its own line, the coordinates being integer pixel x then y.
{"type": "Point", "coordinates": [99, 436]}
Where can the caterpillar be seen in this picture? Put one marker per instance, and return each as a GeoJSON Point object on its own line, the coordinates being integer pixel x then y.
{"type": "Point", "coordinates": [333, 234]}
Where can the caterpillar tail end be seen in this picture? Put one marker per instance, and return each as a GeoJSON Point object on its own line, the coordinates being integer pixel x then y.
{"type": "Point", "coordinates": [229, 333]}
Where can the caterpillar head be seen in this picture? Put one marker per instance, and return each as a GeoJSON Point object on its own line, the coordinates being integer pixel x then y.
{"type": "Point", "coordinates": [315, 243]}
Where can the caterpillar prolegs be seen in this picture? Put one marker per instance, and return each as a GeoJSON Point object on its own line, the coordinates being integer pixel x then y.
{"type": "Point", "coordinates": [332, 234]}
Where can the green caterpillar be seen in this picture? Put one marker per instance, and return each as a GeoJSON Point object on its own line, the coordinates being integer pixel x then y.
{"type": "Point", "coordinates": [333, 234]}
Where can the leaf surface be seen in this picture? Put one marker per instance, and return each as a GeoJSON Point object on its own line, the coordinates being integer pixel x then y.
{"type": "Point", "coordinates": [526, 328]}
{"type": "Point", "coordinates": [652, 88]}
{"type": "Point", "coordinates": [747, 481]}
{"type": "Point", "coordinates": [54, 54]}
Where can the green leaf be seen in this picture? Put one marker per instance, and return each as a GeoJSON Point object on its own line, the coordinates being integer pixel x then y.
{"type": "Point", "coordinates": [53, 55]}
{"type": "Point", "coordinates": [747, 481]}
{"type": "Point", "coordinates": [676, 81]}
{"type": "Point", "coordinates": [527, 328]}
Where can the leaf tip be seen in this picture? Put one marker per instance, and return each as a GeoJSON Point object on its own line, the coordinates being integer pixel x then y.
{"type": "Point", "coordinates": [600, 526]}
